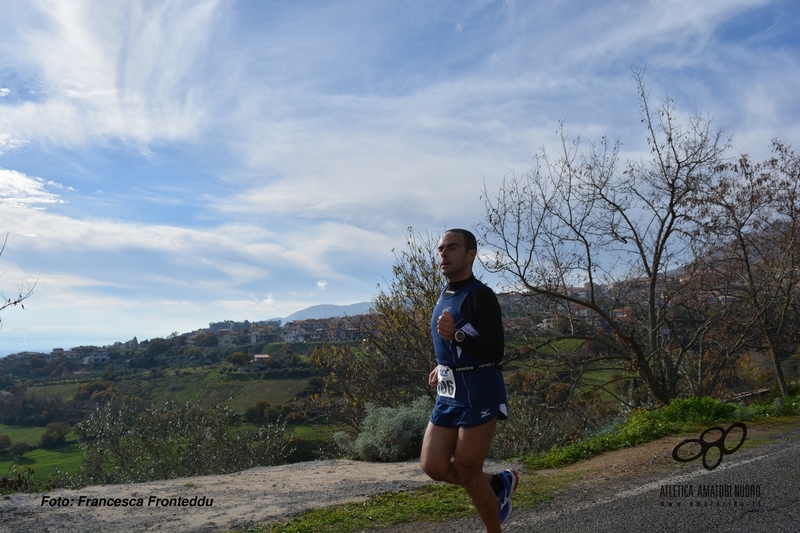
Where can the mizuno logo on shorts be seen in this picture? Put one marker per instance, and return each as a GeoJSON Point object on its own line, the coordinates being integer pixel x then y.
{"type": "Point", "coordinates": [486, 413]}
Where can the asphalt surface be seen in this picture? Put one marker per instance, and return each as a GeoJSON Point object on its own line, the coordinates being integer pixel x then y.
{"type": "Point", "coordinates": [753, 490]}
{"type": "Point", "coordinates": [767, 479]}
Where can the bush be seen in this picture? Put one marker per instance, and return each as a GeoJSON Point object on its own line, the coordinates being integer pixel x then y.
{"type": "Point", "coordinates": [18, 449]}
{"type": "Point", "coordinates": [18, 480]}
{"type": "Point", "coordinates": [261, 411]}
{"type": "Point", "coordinates": [55, 434]}
{"type": "Point", "coordinates": [5, 442]}
{"type": "Point", "coordinates": [694, 410]}
{"type": "Point", "coordinates": [176, 440]}
{"type": "Point", "coordinates": [781, 406]}
{"type": "Point", "coordinates": [391, 433]}
{"type": "Point", "coordinates": [534, 427]}
{"type": "Point", "coordinates": [86, 390]}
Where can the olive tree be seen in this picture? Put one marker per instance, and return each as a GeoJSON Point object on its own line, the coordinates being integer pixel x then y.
{"type": "Point", "coordinates": [123, 443]}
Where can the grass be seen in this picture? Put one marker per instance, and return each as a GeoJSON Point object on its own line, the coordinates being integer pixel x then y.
{"type": "Point", "coordinates": [207, 386]}
{"type": "Point", "coordinates": [66, 458]}
{"type": "Point", "coordinates": [210, 386]}
{"type": "Point", "coordinates": [274, 391]}
{"type": "Point", "coordinates": [315, 432]}
{"type": "Point", "coordinates": [641, 426]}
{"type": "Point", "coordinates": [23, 433]}
{"type": "Point", "coordinates": [561, 346]}
{"type": "Point", "coordinates": [45, 462]}
{"type": "Point", "coordinates": [55, 391]}
{"type": "Point", "coordinates": [444, 502]}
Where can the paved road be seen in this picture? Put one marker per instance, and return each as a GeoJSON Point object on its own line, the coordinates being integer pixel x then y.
{"type": "Point", "coordinates": [768, 477]}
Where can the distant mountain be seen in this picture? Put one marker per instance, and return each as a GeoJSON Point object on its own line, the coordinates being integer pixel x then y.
{"type": "Point", "coordinates": [329, 311]}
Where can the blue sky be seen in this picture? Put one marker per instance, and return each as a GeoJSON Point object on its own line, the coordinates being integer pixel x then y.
{"type": "Point", "coordinates": [165, 164]}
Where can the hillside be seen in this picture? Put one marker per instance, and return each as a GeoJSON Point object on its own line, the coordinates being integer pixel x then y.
{"type": "Point", "coordinates": [329, 311]}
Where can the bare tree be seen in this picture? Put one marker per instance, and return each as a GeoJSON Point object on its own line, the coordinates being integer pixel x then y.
{"type": "Point", "coordinates": [750, 236]}
{"type": "Point", "coordinates": [599, 249]}
{"type": "Point", "coordinates": [23, 292]}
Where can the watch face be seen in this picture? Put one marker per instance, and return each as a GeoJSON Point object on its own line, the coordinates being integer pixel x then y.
{"type": "Point", "coordinates": [460, 336]}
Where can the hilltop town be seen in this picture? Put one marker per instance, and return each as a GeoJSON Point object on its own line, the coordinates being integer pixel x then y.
{"type": "Point", "coordinates": [222, 335]}
{"type": "Point", "coordinates": [521, 316]}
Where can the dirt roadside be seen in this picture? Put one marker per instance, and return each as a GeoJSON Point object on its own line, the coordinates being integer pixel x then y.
{"type": "Point", "coordinates": [265, 494]}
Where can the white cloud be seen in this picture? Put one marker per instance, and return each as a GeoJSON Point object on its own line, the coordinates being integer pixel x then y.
{"type": "Point", "coordinates": [17, 189]}
{"type": "Point", "coordinates": [322, 284]}
{"type": "Point", "coordinates": [377, 158]}
{"type": "Point", "coordinates": [8, 143]}
{"type": "Point", "coordinates": [122, 70]}
{"type": "Point", "coordinates": [230, 262]}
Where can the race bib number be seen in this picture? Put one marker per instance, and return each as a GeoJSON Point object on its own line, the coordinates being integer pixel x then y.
{"type": "Point", "coordinates": [446, 385]}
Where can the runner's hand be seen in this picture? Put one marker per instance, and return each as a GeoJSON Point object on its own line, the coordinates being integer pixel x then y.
{"type": "Point", "coordinates": [433, 377]}
{"type": "Point", "coordinates": [446, 326]}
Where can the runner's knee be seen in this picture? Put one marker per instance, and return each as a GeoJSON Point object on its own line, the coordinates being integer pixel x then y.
{"type": "Point", "coordinates": [436, 470]}
{"type": "Point", "coordinates": [468, 470]}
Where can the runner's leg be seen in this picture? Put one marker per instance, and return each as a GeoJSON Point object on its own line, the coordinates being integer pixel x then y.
{"type": "Point", "coordinates": [472, 447]}
{"type": "Point", "coordinates": [438, 448]}
{"type": "Point", "coordinates": [456, 455]}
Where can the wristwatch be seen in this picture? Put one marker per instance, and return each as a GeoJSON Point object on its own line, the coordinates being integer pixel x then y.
{"type": "Point", "coordinates": [460, 336]}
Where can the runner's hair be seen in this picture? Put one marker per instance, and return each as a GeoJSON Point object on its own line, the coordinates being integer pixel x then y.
{"type": "Point", "coordinates": [470, 242]}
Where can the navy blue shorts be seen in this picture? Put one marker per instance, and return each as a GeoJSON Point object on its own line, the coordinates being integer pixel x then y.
{"type": "Point", "coordinates": [466, 417]}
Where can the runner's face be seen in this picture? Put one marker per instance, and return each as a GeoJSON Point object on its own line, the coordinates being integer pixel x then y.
{"type": "Point", "coordinates": [455, 261]}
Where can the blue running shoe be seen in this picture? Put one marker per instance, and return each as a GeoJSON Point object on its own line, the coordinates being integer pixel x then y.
{"type": "Point", "coordinates": [510, 482]}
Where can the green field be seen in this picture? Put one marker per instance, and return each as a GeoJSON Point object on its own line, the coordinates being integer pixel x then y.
{"type": "Point", "coordinates": [209, 387]}
{"type": "Point", "coordinates": [46, 462]}
{"type": "Point", "coordinates": [274, 391]}
{"type": "Point", "coordinates": [57, 391]}
{"type": "Point", "coordinates": [66, 458]}
{"type": "Point", "coordinates": [313, 432]}
{"type": "Point", "coordinates": [203, 385]}
{"type": "Point", "coordinates": [24, 434]}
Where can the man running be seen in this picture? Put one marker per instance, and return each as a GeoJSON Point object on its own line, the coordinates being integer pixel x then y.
{"type": "Point", "coordinates": [468, 340]}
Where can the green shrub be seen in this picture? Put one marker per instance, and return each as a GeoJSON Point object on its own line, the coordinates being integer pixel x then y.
{"type": "Point", "coordinates": [55, 434]}
{"type": "Point", "coordinates": [643, 426]}
{"type": "Point", "coordinates": [782, 406]}
{"type": "Point", "coordinates": [694, 410]}
{"type": "Point", "coordinates": [392, 433]}
{"type": "Point", "coordinates": [86, 390]}
{"type": "Point", "coordinates": [18, 449]}
{"type": "Point", "coordinates": [786, 405]}
{"type": "Point", "coordinates": [176, 440]}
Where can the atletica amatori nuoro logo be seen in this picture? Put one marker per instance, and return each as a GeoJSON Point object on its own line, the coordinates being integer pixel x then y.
{"type": "Point", "coordinates": [691, 449]}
